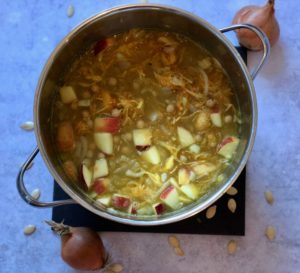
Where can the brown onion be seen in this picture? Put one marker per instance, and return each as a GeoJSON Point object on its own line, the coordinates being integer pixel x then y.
{"type": "Point", "coordinates": [262, 17]}
{"type": "Point", "coordinates": [81, 247]}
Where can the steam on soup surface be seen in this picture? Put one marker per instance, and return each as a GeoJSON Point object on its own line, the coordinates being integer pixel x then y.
{"type": "Point", "coordinates": [145, 122]}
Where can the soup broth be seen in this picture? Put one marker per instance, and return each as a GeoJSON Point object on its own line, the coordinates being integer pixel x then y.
{"type": "Point", "coordinates": [145, 122]}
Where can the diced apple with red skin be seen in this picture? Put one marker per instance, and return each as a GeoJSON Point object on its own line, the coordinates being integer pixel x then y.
{"type": "Point", "coordinates": [183, 176]}
{"type": "Point", "coordinates": [65, 137]}
{"type": "Point", "coordinates": [104, 142]}
{"type": "Point", "coordinates": [170, 197]}
{"type": "Point", "coordinates": [103, 44]}
{"type": "Point", "coordinates": [100, 185]}
{"type": "Point", "coordinates": [215, 116]}
{"type": "Point", "coordinates": [158, 208]}
{"type": "Point", "coordinates": [133, 208]}
{"type": "Point", "coordinates": [121, 201]}
{"type": "Point", "coordinates": [100, 168]}
{"type": "Point", "coordinates": [107, 124]}
{"type": "Point", "coordinates": [185, 137]}
{"type": "Point", "coordinates": [142, 139]}
{"type": "Point", "coordinates": [190, 191]}
{"type": "Point", "coordinates": [228, 146]}
{"type": "Point", "coordinates": [87, 176]}
{"type": "Point", "coordinates": [152, 155]}
{"type": "Point", "coordinates": [67, 94]}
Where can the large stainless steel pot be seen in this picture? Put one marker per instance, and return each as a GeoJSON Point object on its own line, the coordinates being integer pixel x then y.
{"type": "Point", "coordinates": [117, 20]}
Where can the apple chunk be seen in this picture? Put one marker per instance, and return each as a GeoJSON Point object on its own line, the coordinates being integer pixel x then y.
{"type": "Point", "coordinates": [121, 201]}
{"type": "Point", "coordinates": [87, 176]}
{"type": "Point", "coordinates": [158, 208]}
{"type": "Point", "coordinates": [104, 142]}
{"type": "Point", "coordinates": [67, 94]}
{"type": "Point", "coordinates": [190, 191]}
{"type": "Point", "coordinates": [100, 168]}
{"type": "Point", "coordinates": [100, 185]}
{"type": "Point", "coordinates": [151, 155]}
{"type": "Point", "coordinates": [142, 137]}
{"type": "Point", "coordinates": [203, 169]}
{"type": "Point", "coordinates": [170, 197]}
{"type": "Point", "coordinates": [185, 137]}
{"type": "Point", "coordinates": [104, 200]}
{"type": "Point", "coordinates": [228, 146]}
{"type": "Point", "coordinates": [183, 176]}
{"type": "Point", "coordinates": [133, 208]}
{"type": "Point", "coordinates": [107, 124]}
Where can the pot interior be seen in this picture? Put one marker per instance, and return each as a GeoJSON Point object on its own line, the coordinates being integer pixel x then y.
{"type": "Point", "coordinates": [155, 17]}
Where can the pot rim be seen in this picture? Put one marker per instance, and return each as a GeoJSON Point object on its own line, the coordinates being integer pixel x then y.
{"type": "Point", "coordinates": [175, 217]}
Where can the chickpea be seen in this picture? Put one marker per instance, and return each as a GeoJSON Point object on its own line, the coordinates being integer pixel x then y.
{"type": "Point", "coordinates": [198, 138]}
{"type": "Point", "coordinates": [228, 119]}
{"type": "Point", "coordinates": [115, 112]}
{"type": "Point", "coordinates": [170, 108]}
{"type": "Point", "coordinates": [117, 139]}
{"type": "Point", "coordinates": [112, 81]}
{"type": "Point", "coordinates": [101, 155]}
{"type": "Point", "coordinates": [128, 136]}
{"type": "Point", "coordinates": [140, 124]}
{"type": "Point", "coordinates": [125, 150]}
{"type": "Point", "coordinates": [210, 103]}
{"type": "Point", "coordinates": [183, 158]}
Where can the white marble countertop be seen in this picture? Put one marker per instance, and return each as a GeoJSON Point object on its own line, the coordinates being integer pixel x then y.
{"type": "Point", "coordinates": [29, 32]}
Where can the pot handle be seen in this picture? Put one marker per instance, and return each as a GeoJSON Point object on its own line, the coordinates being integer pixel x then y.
{"type": "Point", "coordinates": [262, 36]}
{"type": "Point", "coordinates": [26, 196]}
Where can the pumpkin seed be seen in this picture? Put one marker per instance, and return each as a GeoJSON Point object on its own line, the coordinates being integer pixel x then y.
{"type": "Point", "coordinates": [232, 191]}
{"type": "Point", "coordinates": [270, 233]}
{"type": "Point", "coordinates": [28, 230]}
{"type": "Point", "coordinates": [211, 211]}
{"type": "Point", "coordinates": [231, 205]}
{"type": "Point", "coordinates": [35, 194]}
{"type": "Point", "coordinates": [269, 197]}
{"type": "Point", "coordinates": [27, 126]}
{"type": "Point", "coordinates": [116, 268]}
{"type": "Point", "coordinates": [231, 247]}
{"type": "Point", "coordinates": [70, 11]}
{"type": "Point", "coordinates": [178, 251]}
{"type": "Point", "coordinates": [173, 241]}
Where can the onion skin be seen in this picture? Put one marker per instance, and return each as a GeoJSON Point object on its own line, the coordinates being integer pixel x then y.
{"type": "Point", "coordinates": [81, 247]}
{"type": "Point", "coordinates": [262, 17]}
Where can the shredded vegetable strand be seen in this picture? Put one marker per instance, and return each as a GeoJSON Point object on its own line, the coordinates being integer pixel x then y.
{"type": "Point", "coordinates": [205, 78]}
